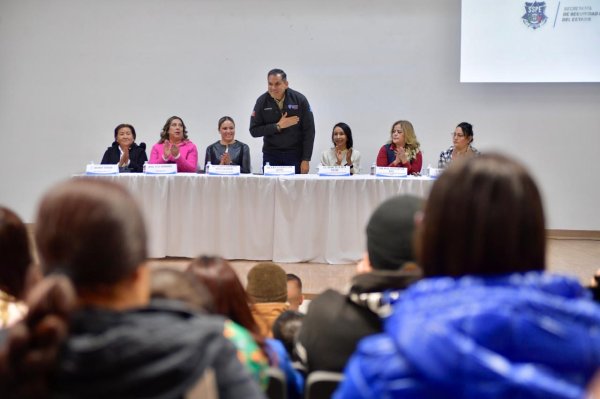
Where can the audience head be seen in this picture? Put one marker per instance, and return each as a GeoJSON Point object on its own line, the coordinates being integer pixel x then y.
{"type": "Point", "coordinates": [90, 236]}
{"type": "Point", "coordinates": [484, 216]}
{"type": "Point", "coordinates": [125, 129]}
{"type": "Point", "coordinates": [403, 134]}
{"type": "Point", "coordinates": [390, 232]}
{"type": "Point", "coordinates": [267, 282]}
{"type": "Point", "coordinates": [92, 231]}
{"type": "Point", "coordinates": [167, 283]}
{"type": "Point", "coordinates": [30, 350]}
{"type": "Point", "coordinates": [174, 128]}
{"type": "Point", "coordinates": [16, 255]}
{"type": "Point", "coordinates": [294, 291]}
{"type": "Point", "coordinates": [341, 135]}
{"type": "Point", "coordinates": [230, 298]}
{"type": "Point", "coordinates": [286, 329]}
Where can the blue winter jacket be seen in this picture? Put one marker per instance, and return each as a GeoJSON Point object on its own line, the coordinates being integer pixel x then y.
{"type": "Point", "coordinates": [528, 335]}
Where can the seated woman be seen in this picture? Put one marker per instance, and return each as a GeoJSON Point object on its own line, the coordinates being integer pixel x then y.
{"type": "Point", "coordinates": [124, 151]}
{"type": "Point", "coordinates": [343, 152]}
{"type": "Point", "coordinates": [487, 322]}
{"type": "Point", "coordinates": [228, 151]}
{"type": "Point", "coordinates": [462, 138]}
{"type": "Point", "coordinates": [403, 151]}
{"type": "Point", "coordinates": [232, 301]}
{"type": "Point", "coordinates": [174, 147]}
{"type": "Point", "coordinates": [90, 330]}
{"type": "Point", "coordinates": [15, 264]}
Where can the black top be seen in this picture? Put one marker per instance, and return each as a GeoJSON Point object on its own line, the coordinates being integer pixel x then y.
{"type": "Point", "coordinates": [239, 153]}
{"type": "Point", "coordinates": [298, 138]}
{"type": "Point", "coordinates": [335, 323]}
{"type": "Point", "coordinates": [156, 352]}
{"type": "Point", "coordinates": [137, 157]}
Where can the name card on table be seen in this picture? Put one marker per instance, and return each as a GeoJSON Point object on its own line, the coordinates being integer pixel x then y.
{"type": "Point", "coordinates": [95, 169]}
{"type": "Point", "coordinates": [435, 172]}
{"type": "Point", "coordinates": [223, 170]}
{"type": "Point", "coordinates": [390, 172]}
{"type": "Point", "coordinates": [334, 170]}
{"type": "Point", "coordinates": [269, 170]}
{"type": "Point", "coordinates": [160, 168]}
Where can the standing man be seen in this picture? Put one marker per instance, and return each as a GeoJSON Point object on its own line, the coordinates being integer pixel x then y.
{"type": "Point", "coordinates": [283, 118]}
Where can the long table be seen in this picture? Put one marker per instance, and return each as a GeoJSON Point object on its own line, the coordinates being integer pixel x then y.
{"type": "Point", "coordinates": [301, 218]}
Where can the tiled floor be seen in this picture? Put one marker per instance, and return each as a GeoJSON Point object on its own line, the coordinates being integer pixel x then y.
{"type": "Point", "coordinates": [579, 258]}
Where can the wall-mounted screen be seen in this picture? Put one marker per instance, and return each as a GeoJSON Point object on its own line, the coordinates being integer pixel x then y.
{"type": "Point", "coordinates": [530, 41]}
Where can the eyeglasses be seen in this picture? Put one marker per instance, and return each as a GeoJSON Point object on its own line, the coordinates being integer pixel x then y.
{"type": "Point", "coordinates": [458, 135]}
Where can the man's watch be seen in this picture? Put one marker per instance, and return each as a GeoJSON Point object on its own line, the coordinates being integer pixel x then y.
{"type": "Point", "coordinates": [278, 127]}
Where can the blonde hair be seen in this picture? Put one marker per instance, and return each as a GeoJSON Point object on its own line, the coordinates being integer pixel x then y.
{"type": "Point", "coordinates": [411, 144]}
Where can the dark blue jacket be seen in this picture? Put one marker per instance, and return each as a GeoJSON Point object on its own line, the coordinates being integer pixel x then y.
{"type": "Point", "coordinates": [296, 139]}
{"type": "Point", "coordinates": [518, 336]}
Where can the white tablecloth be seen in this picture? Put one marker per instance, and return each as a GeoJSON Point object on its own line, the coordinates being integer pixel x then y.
{"type": "Point", "coordinates": [301, 218]}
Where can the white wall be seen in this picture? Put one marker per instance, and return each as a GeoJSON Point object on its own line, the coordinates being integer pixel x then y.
{"type": "Point", "coordinates": [71, 70]}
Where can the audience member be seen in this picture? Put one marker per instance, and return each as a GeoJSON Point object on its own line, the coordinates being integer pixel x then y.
{"type": "Point", "coordinates": [15, 262]}
{"type": "Point", "coordinates": [286, 329]}
{"type": "Point", "coordinates": [294, 292]}
{"type": "Point", "coordinates": [124, 151]}
{"type": "Point", "coordinates": [267, 289]}
{"type": "Point", "coordinates": [335, 323]}
{"type": "Point", "coordinates": [232, 301]}
{"type": "Point", "coordinates": [89, 331]}
{"type": "Point", "coordinates": [594, 288]}
{"type": "Point", "coordinates": [462, 138]}
{"type": "Point", "coordinates": [403, 150]}
{"type": "Point", "coordinates": [174, 285]}
{"type": "Point", "coordinates": [175, 147]}
{"type": "Point", "coordinates": [487, 322]}
{"type": "Point", "coordinates": [227, 150]}
{"type": "Point", "coordinates": [343, 152]}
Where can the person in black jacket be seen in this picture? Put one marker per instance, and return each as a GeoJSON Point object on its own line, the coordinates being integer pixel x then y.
{"type": "Point", "coordinates": [283, 118]}
{"type": "Point", "coordinates": [335, 322]}
{"type": "Point", "coordinates": [91, 330]}
{"type": "Point", "coordinates": [124, 151]}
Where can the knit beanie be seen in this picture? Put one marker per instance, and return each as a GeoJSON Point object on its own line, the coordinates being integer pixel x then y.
{"type": "Point", "coordinates": [390, 233]}
{"type": "Point", "coordinates": [267, 282]}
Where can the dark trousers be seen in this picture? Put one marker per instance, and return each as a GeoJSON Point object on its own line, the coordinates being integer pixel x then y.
{"type": "Point", "coordinates": [283, 159]}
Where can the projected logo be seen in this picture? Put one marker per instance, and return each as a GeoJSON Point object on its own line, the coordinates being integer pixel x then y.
{"type": "Point", "coordinates": [534, 14]}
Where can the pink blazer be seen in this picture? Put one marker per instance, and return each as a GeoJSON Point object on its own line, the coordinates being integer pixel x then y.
{"type": "Point", "coordinates": [188, 156]}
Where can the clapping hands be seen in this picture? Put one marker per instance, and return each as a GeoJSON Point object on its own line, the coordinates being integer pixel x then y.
{"type": "Point", "coordinates": [124, 157]}
{"type": "Point", "coordinates": [340, 157]}
{"type": "Point", "coordinates": [170, 150]}
{"type": "Point", "coordinates": [401, 156]}
{"type": "Point", "coordinates": [225, 159]}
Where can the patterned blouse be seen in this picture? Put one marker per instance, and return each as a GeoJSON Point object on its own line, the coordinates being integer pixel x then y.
{"type": "Point", "coordinates": [446, 156]}
{"type": "Point", "coordinates": [248, 351]}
